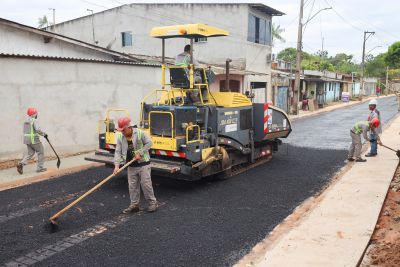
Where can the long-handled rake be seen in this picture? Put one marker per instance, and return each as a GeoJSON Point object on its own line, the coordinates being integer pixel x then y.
{"type": "Point", "coordinates": [397, 151]}
{"type": "Point", "coordinates": [52, 226]}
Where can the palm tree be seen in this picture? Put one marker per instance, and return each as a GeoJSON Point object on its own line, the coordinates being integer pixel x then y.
{"type": "Point", "coordinates": [276, 33]}
{"type": "Point", "coordinates": [43, 22]}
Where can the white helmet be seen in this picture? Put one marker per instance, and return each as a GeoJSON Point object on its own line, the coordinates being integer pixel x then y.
{"type": "Point", "coordinates": [373, 102]}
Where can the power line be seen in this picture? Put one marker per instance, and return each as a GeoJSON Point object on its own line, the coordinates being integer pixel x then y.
{"type": "Point", "coordinates": [368, 22]}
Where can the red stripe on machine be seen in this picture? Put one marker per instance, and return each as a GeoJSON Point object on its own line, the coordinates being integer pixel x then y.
{"type": "Point", "coordinates": [266, 117]}
{"type": "Point", "coordinates": [169, 153]}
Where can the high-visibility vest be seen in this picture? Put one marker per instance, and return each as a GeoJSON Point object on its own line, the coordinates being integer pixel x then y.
{"type": "Point", "coordinates": [30, 133]}
{"type": "Point", "coordinates": [139, 145]}
{"type": "Point", "coordinates": [357, 128]}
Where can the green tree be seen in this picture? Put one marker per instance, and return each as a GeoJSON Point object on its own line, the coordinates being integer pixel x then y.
{"type": "Point", "coordinates": [289, 55]}
{"type": "Point", "coordinates": [322, 54]}
{"type": "Point", "coordinates": [376, 67]}
{"type": "Point", "coordinates": [343, 63]}
{"type": "Point", "coordinates": [392, 58]}
{"type": "Point", "coordinates": [277, 33]}
{"type": "Point", "coordinates": [43, 22]}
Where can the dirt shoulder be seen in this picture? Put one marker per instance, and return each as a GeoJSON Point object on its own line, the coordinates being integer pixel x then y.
{"type": "Point", "coordinates": [384, 248]}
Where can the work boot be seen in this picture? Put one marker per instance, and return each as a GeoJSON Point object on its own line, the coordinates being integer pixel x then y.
{"type": "Point", "coordinates": [20, 168]}
{"type": "Point", "coordinates": [350, 159]}
{"type": "Point", "coordinates": [152, 207]}
{"type": "Point", "coordinates": [370, 155]}
{"type": "Point", "coordinates": [41, 170]}
{"type": "Point", "coordinates": [361, 160]}
{"type": "Point", "coordinates": [132, 208]}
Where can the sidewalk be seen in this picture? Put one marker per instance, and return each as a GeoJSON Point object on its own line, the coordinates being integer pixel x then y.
{"type": "Point", "coordinates": [333, 229]}
{"type": "Point", "coordinates": [10, 178]}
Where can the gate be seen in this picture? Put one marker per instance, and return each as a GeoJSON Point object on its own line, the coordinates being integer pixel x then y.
{"type": "Point", "coordinates": [282, 98]}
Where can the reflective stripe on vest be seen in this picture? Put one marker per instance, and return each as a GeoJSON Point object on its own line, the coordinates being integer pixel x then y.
{"type": "Point", "coordinates": [32, 133]}
{"type": "Point", "coordinates": [185, 61]}
{"type": "Point", "coordinates": [139, 142]}
{"type": "Point", "coordinates": [357, 127]}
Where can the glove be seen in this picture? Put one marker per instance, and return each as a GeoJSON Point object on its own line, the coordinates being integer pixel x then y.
{"type": "Point", "coordinates": [45, 136]}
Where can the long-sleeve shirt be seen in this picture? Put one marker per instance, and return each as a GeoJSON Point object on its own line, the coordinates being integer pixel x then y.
{"type": "Point", "coordinates": [141, 144]}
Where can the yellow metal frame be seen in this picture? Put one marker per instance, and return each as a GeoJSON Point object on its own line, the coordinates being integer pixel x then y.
{"type": "Point", "coordinates": [110, 136]}
{"type": "Point", "coordinates": [161, 142]}
{"type": "Point", "coordinates": [187, 134]}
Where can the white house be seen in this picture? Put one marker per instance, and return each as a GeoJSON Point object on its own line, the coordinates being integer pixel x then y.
{"type": "Point", "coordinates": [70, 82]}
{"type": "Point", "coordinates": [126, 29]}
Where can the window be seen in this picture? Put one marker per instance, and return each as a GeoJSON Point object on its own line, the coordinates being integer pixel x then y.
{"type": "Point", "coordinates": [200, 39]}
{"type": "Point", "coordinates": [126, 38]}
{"type": "Point", "coordinates": [259, 30]}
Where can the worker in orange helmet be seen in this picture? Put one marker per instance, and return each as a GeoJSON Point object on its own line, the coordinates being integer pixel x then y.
{"type": "Point", "coordinates": [32, 132]}
{"type": "Point", "coordinates": [361, 127]}
{"type": "Point", "coordinates": [135, 143]}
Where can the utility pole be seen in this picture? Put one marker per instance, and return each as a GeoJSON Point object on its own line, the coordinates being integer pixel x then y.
{"type": "Point", "coordinates": [362, 63]}
{"type": "Point", "coordinates": [228, 60]}
{"type": "Point", "coordinates": [298, 61]}
{"type": "Point", "coordinates": [387, 81]}
{"type": "Point", "coordinates": [54, 18]}
{"type": "Point", "coordinates": [94, 39]}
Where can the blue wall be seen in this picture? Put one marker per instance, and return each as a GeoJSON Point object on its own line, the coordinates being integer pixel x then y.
{"type": "Point", "coordinates": [332, 91]}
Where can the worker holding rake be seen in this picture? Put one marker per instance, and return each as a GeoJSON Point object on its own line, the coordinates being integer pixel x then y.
{"type": "Point", "coordinates": [133, 143]}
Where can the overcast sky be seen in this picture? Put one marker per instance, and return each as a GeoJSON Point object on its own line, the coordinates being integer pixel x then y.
{"type": "Point", "coordinates": [341, 28]}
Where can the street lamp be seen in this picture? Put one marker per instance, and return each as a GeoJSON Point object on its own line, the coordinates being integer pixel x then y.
{"type": "Point", "coordinates": [298, 54]}
{"type": "Point", "coordinates": [94, 39]}
{"type": "Point", "coordinates": [373, 49]}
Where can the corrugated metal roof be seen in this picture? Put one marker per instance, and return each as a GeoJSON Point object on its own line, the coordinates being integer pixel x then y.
{"type": "Point", "coordinates": [67, 39]}
{"type": "Point", "coordinates": [5, 55]}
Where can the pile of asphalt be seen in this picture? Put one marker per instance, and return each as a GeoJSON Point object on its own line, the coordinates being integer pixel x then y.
{"type": "Point", "coordinates": [204, 223]}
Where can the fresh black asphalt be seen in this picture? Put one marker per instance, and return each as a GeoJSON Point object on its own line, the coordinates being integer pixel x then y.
{"type": "Point", "coordinates": [204, 223]}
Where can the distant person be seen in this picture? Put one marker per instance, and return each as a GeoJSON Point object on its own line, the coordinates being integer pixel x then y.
{"type": "Point", "coordinates": [31, 140]}
{"type": "Point", "coordinates": [304, 102]}
{"type": "Point", "coordinates": [374, 113]}
{"type": "Point", "coordinates": [378, 91]}
{"type": "Point", "coordinates": [135, 143]}
{"type": "Point", "coordinates": [183, 59]}
{"type": "Point", "coordinates": [361, 127]}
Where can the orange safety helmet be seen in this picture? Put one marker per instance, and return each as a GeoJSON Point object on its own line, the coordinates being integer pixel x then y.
{"type": "Point", "coordinates": [123, 123]}
{"type": "Point", "coordinates": [31, 112]}
{"type": "Point", "coordinates": [375, 122]}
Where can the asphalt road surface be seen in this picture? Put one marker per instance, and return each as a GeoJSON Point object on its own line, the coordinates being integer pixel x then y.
{"type": "Point", "coordinates": [204, 223]}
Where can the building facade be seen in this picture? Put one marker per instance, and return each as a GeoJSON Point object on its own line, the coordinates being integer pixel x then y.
{"type": "Point", "coordinates": [126, 29]}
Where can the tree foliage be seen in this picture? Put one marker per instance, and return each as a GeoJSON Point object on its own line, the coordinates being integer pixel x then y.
{"type": "Point", "coordinates": [392, 58]}
{"type": "Point", "coordinates": [376, 66]}
{"type": "Point", "coordinates": [43, 22]}
{"type": "Point", "coordinates": [321, 60]}
{"type": "Point", "coordinates": [277, 33]}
